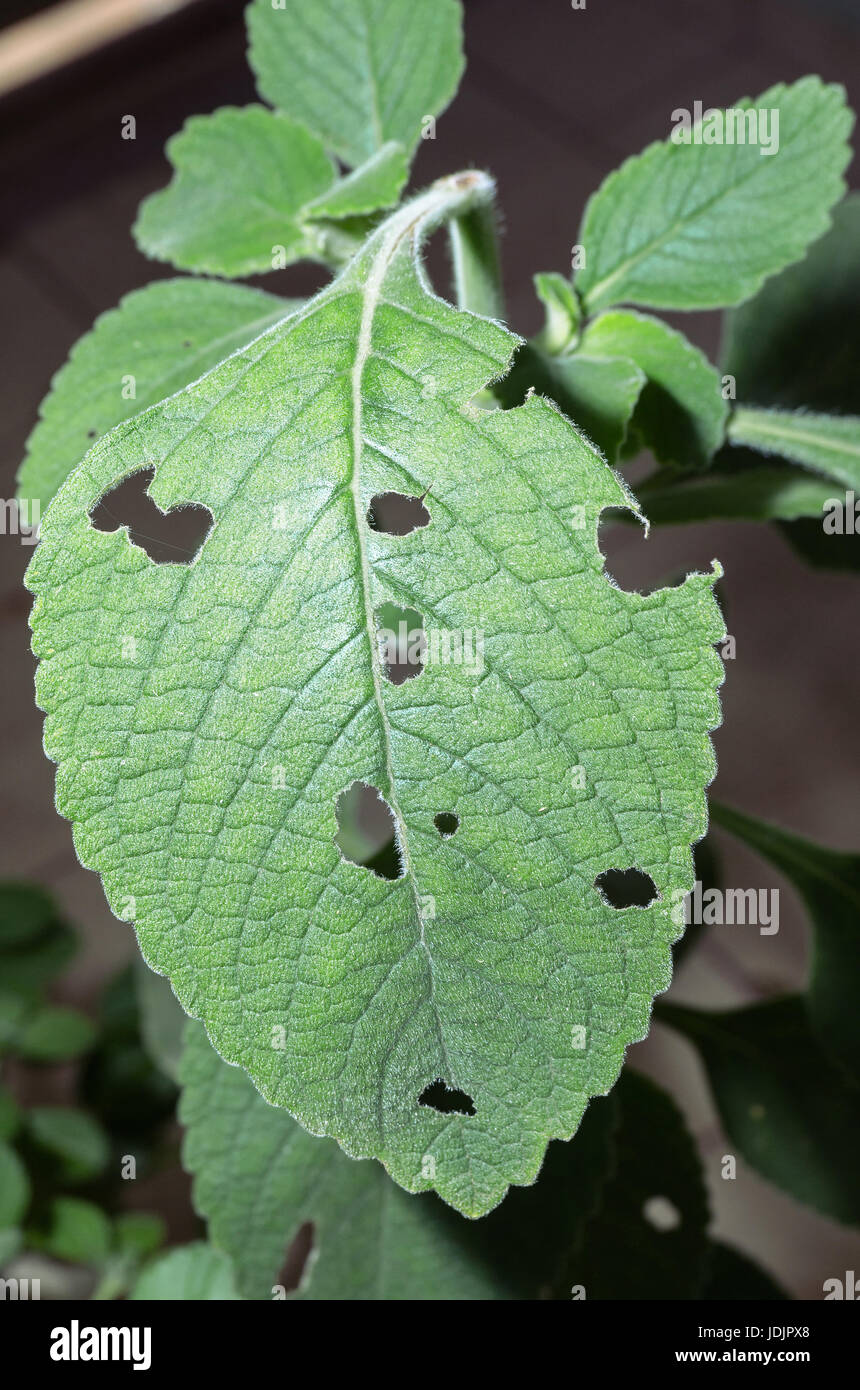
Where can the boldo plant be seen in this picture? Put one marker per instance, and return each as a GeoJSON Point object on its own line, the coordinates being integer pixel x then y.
{"type": "Point", "coordinates": [394, 606]}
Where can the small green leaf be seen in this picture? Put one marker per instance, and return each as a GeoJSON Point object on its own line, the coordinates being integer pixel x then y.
{"type": "Point", "coordinates": [208, 792]}
{"type": "Point", "coordinates": [699, 226]}
{"type": "Point", "coordinates": [361, 74]}
{"type": "Point", "coordinates": [54, 1035]}
{"type": "Point", "coordinates": [375, 184]}
{"type": "Point", "coordinates": [828, 881]}
{"type": "Point", "coordinates": [562, 311]}
{"type": "Point", "coordinates": [236, 205]}
{"type": "Point", "coordinates": [14, 1187]}
{"type": "Point", "coordinates": [794, 1116]}
{"type": "Point", "coordinates": [648, 1237]}
{"type": "Point", "coordinates": [680, 414]}
{"type": "Point", "coordinates": [797, 344]}
{"type": "Point", "coordinates": [138, 1233]}
{"type": "Point", "coordinates": [733, 1277]}
{"type": "Point", "coordinates": [828, 444]}
{"type": "Point", "coordinates": [158, 338]}
{"type": "Point", "coordinates": [258, 1176]}
{"type": "Point", "coordinates": [78, 1231]}
{"type": "Point", "coordinates": [70, 1137]}
{"type": "Point", "coordinates": [192, 1273]}
{"type": "Point", "coordinates": [597, 394]}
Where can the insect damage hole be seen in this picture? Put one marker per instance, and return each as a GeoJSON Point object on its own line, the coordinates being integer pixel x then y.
{"type": "Point", "coordinates": [402, 642]}
{"type": "Point", "coordinates": [447, 1100]}
{"type": "Point", "coordinates": [396, 514]}
{"type": "Point", "coordinates": [169, 538]}
{"type": "Point", "coordinates": [446, 822]}
{"type": "Point", "coordinates": [366, 833]}
{"type": "Point", "coordinates": [626, 888]}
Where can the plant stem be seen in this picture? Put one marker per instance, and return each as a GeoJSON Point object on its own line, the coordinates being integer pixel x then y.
{"type": "Point", "coordinates": [474, 242]}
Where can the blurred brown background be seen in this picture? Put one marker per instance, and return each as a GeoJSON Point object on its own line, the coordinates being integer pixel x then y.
{"type": "Point", "coordinates": [553, 99]}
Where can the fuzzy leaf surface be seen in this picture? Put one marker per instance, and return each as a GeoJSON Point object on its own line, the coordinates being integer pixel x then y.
{"type": "Point", "coordinates": [202, 777]}
{"type": "Point", "coordinates": [700, 226]}
{"type": "Point", "coordinates": [258, 1176]}
{"type": "Point", "coordinates": [162, 336]}
{"type": "Point", "coordinates": [360, 73]}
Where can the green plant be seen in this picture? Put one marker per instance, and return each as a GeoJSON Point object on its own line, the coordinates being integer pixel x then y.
{"type": "Point", "coordinates": [60, 1164]}
{"type": "Point", "coordinates": [377, 456]}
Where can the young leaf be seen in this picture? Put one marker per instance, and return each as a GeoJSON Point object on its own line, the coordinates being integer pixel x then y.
{"type": "Point", "coordinates": [792, 1114]}
{"type": "Point", "coordinates": [699, 226]}
{"type": "Point", "coordinates": [357, 74]}
{"type": "Point", "coordinates": [797, 344]}
{"type": "Point", "coordinates": [680, 413]}
{"type": "Point", "coordinates": [258, 1176]}
{"type": "Point", "coordinates": [567, 736]}
{"type": "Point", "coordinates": [828, 444]}
{"type": "Point", "coordinates": [190, 1274]}
{"type": "Point", "coordinates": [376, 184]}
{"type": "Point", "coordinates": [648, 1237]}
{"type": "Point", "coordinates": [155, 342]}
{"type": "Point", "coordinates": [829, 884]}
{"type": "Point", "coordinates": [244, 178]}
{"type": "Point", "coordinates": [562, 309]}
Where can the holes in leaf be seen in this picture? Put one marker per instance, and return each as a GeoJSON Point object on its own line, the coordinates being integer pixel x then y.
{"type": "Point", "coordinates": [299, 1252]}
{"type": "Point", "coordinates": [92, 434]}
{"type": "Point", "coordinates": [446, 1099]}
{"type": "Point", "coordinates": [446, 822]}
{"type": "Point", "coordinates": [402, 642]}
{"type": "Point", "coordinates": [626, 888]}
{"type": "Point", "coordinates": [169, 538]}
{"type": "Point", "coordinates": [366, 831]}
{"type": "Point", "coordinates": [396, 514]}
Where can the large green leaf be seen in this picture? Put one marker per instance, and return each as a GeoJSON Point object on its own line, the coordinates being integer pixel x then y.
{"type": "Point", "coordinates": [792, 1113]}
{"type": "Point", "coordinates": [159, 338]}
{"type": "Point", "coordinates": [827, 444]}
{"type": "Point", "coordinates": [680, 414]}
{"type": "Point", "coordinates": [360, 73]}
{"type": "Point", "coordinates": [259, 1176]}
{"type": "Point", "coordinates": [829, 884]}
{"type": "Point", "coordinates": [698, 226]}
{"type": "Point", "coordinates": [202, 778]}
